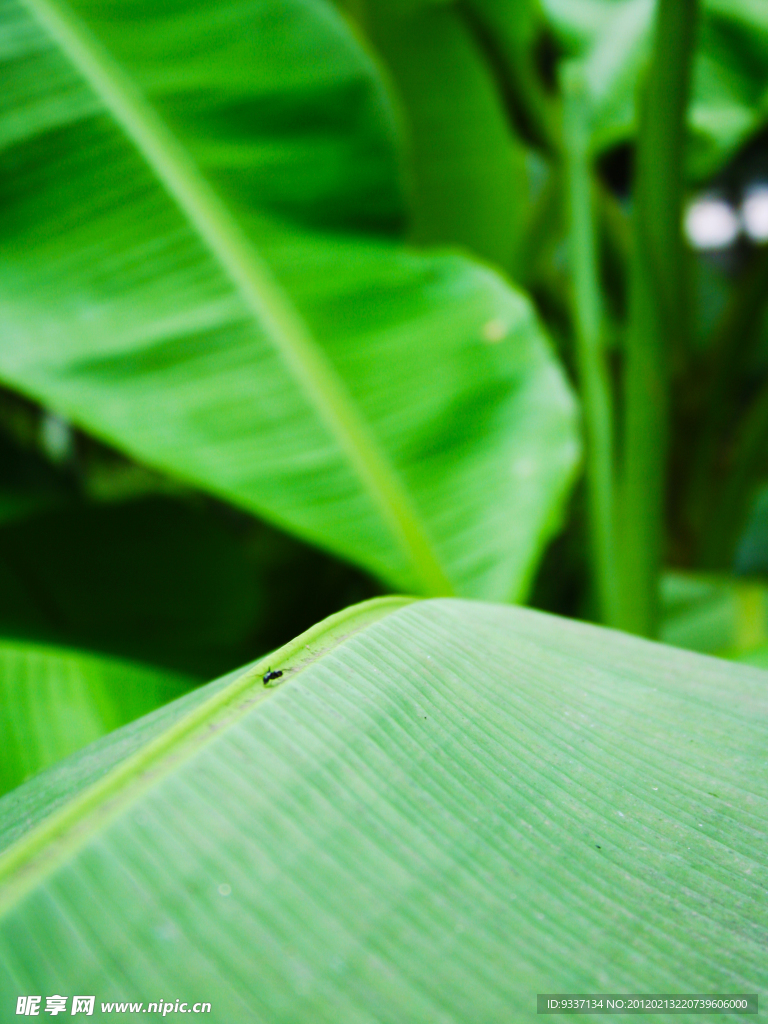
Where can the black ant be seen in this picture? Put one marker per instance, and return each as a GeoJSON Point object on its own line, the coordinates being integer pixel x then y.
{"type": "Point", "coordinates": [269, 675]}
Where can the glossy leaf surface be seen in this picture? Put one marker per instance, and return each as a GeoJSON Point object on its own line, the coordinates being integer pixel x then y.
{"type": "Point", "coordinates": [200, 265]}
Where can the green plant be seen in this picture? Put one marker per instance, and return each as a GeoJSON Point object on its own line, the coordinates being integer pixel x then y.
{"type": "Point", "coordinates": [292, 295]}
{"type": "Point", "coordinates": [442, 809]}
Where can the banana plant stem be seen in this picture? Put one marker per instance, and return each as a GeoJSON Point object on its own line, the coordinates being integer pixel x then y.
{"type": "Point", "coordinates": [587, 318]}
{"type": "Point", "coordinates": [657, 310]}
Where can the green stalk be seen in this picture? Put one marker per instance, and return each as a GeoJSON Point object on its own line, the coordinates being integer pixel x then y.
{"type": "Point", "coordinates": [265, 298]}
{"type": "Point", "coordinates": [657, 317]}
{"type": "Point", "coordinates": [587, 318]}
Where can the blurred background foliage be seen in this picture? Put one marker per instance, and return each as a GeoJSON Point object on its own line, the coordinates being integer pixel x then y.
{"type": "Point", "coordinates": [186, 488]}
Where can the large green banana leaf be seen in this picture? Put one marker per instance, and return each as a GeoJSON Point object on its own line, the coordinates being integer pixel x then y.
{"type": "Point", "coordinates": [200, 264]}
{"type": "Point", "coordinates": [440, 809]}
{"type": "Point", "coordinates": [729, 100]}
{"type": "Point", "coordinates": [54, 701]}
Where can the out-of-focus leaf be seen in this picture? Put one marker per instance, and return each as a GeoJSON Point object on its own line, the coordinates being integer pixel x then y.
{"type": "Point", "coordinates": [199, 265]}
{"type": "Point", "coordinates": [729, 101]}
{"type": "Point", "coordinates": [612, 66]}
{"type": "Point", "coordinates": [54, 701]}
{"type": "Point", "coordinates": [757, 657]}
{"type": "Point", "coordinates": [468, 174]}
{"type": "Point", "coordinates": [442, 808]}
{"type": "Point", "coordinates": [719, 615]}
{"type": "Point", "coordinates": [751, 556]}
{"type": "Point", "coordinates": [728, 615]}
{"type": "Point", "coordinates": [577, 23]}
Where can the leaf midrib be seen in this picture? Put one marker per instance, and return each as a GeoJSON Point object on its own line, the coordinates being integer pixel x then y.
{"type": "Point", "coordinates": [265, 299]}
{"type": "Point", "coordinates": [47, 845]}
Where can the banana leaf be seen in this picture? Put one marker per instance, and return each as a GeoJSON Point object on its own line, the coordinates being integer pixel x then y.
{"type": "Point", "coordinates": [202, 207]}
{"type": "Point", "coordinates": [53, 701]}
{"type": "Point", "coordinates": [437, 811]}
